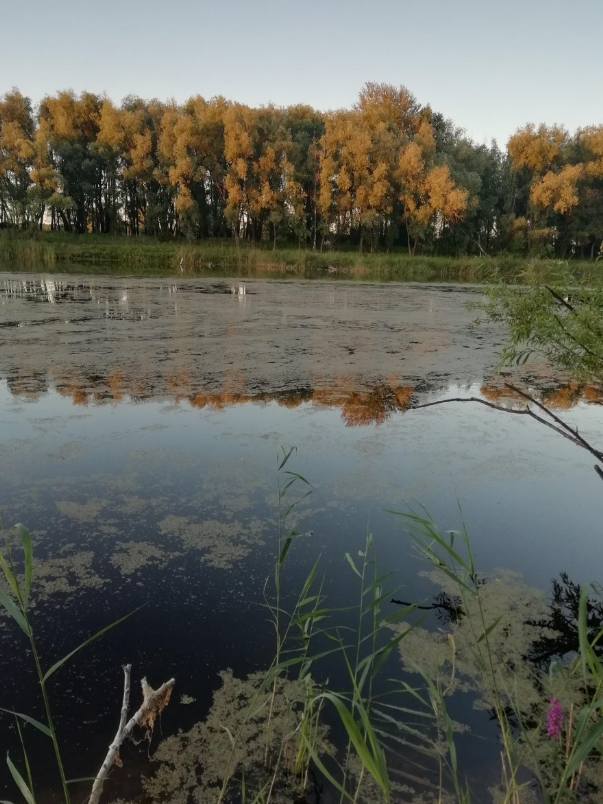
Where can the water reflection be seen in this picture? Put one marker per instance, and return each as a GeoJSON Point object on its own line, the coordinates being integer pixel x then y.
{"type": "Point", "coordinates": [556, 634]}
{"type": "Point", "coordinates": [359, 405]}
{"type": "Point", "coordinates": [370, 351]}
{"type": "Point", "coordinates": [174, 500]}
{"type": "Point", "coordinates": [558, 631]}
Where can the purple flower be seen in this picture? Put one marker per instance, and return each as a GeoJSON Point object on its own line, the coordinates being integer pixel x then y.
{"type": "Point", "coordinates": [554, 718]}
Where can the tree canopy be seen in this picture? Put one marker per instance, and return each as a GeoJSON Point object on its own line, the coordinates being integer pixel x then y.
{"type": "Point", "coordinates": [389, 172]}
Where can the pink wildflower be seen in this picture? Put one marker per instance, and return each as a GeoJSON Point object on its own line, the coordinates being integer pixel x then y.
{"type": "Point", "coordinates": [554, 718]}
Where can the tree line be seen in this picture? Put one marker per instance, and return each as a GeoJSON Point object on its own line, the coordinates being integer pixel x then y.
{"type": "Point", "coordinates": [389, 172]}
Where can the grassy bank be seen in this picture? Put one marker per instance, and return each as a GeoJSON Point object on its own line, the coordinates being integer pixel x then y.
{"type": "Point", "coordinates": [94, 253]}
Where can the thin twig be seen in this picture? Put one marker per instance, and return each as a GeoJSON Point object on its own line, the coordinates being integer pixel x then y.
{"type": "Point", "coordinates": [572, 309]}
{"type": "Point", "coordinates": [573, 338]}
{"type": "Point", "coordinates": [561, 300]}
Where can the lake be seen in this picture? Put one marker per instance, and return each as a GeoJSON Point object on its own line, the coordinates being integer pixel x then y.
{"type": "Point", "coordinates": [141, 421]}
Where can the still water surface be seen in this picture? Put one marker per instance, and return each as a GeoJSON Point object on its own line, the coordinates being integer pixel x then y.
{"type": "Point", "coordinates": [140, 423]}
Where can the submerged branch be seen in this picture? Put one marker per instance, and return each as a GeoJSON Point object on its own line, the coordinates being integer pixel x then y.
{"type": "Point", "coordinates": [153, 703]}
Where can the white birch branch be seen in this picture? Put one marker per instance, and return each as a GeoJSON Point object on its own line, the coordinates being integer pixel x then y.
{"type": "Point", "coordinates": [153, 703]}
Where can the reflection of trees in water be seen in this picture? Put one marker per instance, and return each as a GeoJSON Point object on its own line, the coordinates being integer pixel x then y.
{"type": "Point", "coordinates": [28, 384]}
{"type": "Point", "coordinates": [557, 632]}
{"type": "Point", "coordinates": [563, 396]}
{"type": "Point", "coordinates": [359, 404]}
{"type": "Point", "coordinates": [374, 406]}
{"type": "Point", "coordinates": [559, 629]}
{"type": "Point", "coordinates": [447, 608]}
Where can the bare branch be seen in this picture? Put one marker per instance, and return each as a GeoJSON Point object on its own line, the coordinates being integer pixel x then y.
{"type": "Point", "coordinates": [520, 412]}
{"type": "Point", "coordinates": [153, 703]}
{"type": "Point", "coordinates": [573, 338]}
{"type": "Point", "coordinates": [562, 429]}
{"type": "Point", "coordinates": [575, 434]}
{"type": "Point", "coordinates": [561, 300]}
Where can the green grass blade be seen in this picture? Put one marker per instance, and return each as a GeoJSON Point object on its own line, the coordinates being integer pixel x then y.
{"type": "Point", "coordinates": [286, 487]}
{"type": "Point", "coordinates": [321, 767]}
{"type": "Point", "coordinates": [309, 579]}
{"type": "Point", "coordinates": [20, 782]}
{"type": "Point", "coordinates": [40, 726]}
{"type": "Point", "coordinates": [287, 453]}
{"type": "Point", "coordinates": [296, 476]}
{"type": "Point", "coordinates": [9, 575]}
{"type": "Point", "coordinates": [584, 749]}
{"type": "Point", "coordinates": [98, 634]}
{"type": "Point", "coordinates": [27, 557]}
{"type": "Point", "coordinates": [370, 761]}
{"type": "Point", "coordinates": [291, 662]}
{"type": "Point", "coordinates": [81, 779]}
{"type": "Point", "coordinates": [14, 612]}
{"type": "Point", "coordinates": [285, 550]}
{"type": "Point", "coordinates": [350, 561]}
{"type": "Point", "coordinates": [25, 757]}
{"type": "Point", "coordinates": [230, 735]}
{"type": "Point", "coordinates": [587, 654]}
{"type": "Point", "coordinates": [489, 629]}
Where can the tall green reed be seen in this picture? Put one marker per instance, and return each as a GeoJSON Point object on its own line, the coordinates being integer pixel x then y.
{"type": "Point", "coordinates": [15, 600]}
{"type": "Point", "coordinates": [555, 762]}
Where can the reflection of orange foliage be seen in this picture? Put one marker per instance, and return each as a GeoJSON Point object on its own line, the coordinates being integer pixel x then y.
{"type": "Point", "coordinates": [592, 393]}
{"type": "Point", "coordinates": [294, 400]}
{"type": "Point", "coordinates": [358, 406]}
{"type": "Point", "coordinates": [500, 394]}
{"type": "Point", "coordinates": [359, 409]}
{"type": "Point", "coordinates": [403, 394]}
{"type": "Point", "coordinates": [177, 385]}
{"type": "Point", "coordinates": [563, 398]}
{"type": "Point", "coordinates": [374, 406]}
{"type": "Point", "coordinates": [115, 382]}
{"type": "Point", "coordinates": [77, 394]}
{"type": "Point", "coordinates": [198, 400]}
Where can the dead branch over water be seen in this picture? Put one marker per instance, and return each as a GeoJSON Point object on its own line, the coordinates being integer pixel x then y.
{"type": "Point", "coordinates": [559, 426]}
{"type": "Point", "coordinates": [153, 704]}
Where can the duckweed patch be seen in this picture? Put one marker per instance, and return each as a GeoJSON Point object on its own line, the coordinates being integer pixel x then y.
{"type": "Point", "coordinates": [192, 765]}
{"type": "Point", "coordinates": [81, 512]}
{"type": "Point", "coordinates": [133, 556]}
{"type": "Point", "coordinates": [221, 544]}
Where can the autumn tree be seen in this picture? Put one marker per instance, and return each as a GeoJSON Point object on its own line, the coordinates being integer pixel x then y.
{"type": "Point", "coordinates": [428, 194]}
{"type": "Point", "coordinates": [68, 128]}
{"type": "Point", "coordinates": [17, 128]}
{"type": "Point", "coordinates": [263, 191]}
{"type": "Point", "coordinates": [386, 173]}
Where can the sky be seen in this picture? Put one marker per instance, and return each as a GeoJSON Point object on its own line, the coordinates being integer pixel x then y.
{"type": "Point", "coordinates": [491, 66]}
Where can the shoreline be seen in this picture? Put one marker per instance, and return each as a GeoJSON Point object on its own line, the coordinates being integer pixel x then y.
{"type": "Point", "coordinates": [87, 253]}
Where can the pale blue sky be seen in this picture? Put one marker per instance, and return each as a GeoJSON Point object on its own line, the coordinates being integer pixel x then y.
{"type": "Point", "coordinates": [490, 66]}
